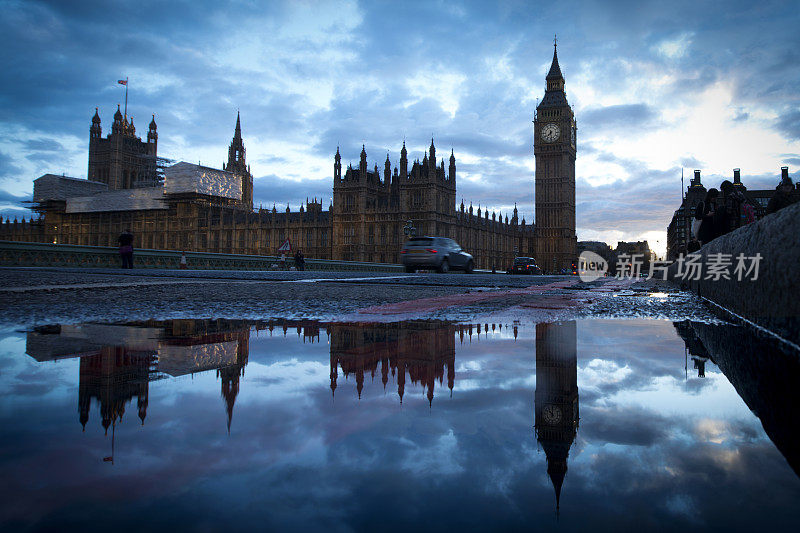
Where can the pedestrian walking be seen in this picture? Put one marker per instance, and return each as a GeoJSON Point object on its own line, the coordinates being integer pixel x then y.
{"type": "Point", "coordinates": [704, 213]}
{"type": "Point", "coordinates": [126, 248]}
{"type": "Point", "coordinates": [299, 260]}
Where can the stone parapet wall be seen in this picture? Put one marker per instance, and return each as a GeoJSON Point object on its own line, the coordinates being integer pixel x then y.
{"type": "Point", "coordinates": [773, 299]}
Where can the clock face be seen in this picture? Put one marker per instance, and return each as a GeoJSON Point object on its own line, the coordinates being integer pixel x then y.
{"type": "Point", "coordinates": [550, 132]}
{"type": "Point", "coordinates": [573, 135]}
{"type": "Point", "coordinates": [552, 414]}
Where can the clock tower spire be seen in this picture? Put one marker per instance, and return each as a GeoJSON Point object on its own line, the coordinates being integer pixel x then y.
{"type": "Point", "coordinates": [554, 147]}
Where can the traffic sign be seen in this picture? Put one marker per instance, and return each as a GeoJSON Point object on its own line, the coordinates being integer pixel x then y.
{"type": "Point", "coordinates": [286, 246]}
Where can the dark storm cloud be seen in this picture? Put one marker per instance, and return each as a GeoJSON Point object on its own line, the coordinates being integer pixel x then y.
{"type": "Point", "coordinates": [45, 157]}
{"type": "Point", "coordinates": [610, 425]}
{"type": "Point", "coordinates": [63, 59]}
{"type": "Point", "coordinates": [789, 123]}
{"type": "Point", "coordinates": [615, 116]}
{"type": "Point", "coordinates": [11, 206]}
{"type": "Point", "coordinates": [42, 145]}
{"type": "Point", "coordinates": [8, 168]}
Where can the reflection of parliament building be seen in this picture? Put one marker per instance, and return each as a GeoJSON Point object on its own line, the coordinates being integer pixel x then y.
{"type": "Point", "coordinates": [420, 349]}
{"type": "Point", "coordinates": [197, 208]}
{"type": "Point", "coordinates": [118, 362]}
{"type": "Point", "coordinates": [556, 400]}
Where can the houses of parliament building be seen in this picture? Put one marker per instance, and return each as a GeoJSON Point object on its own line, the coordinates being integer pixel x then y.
{"type": "Point", "coordinates": [196, 208]}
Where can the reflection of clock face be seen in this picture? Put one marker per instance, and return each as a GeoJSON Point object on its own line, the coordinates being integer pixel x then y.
{"type": "Point", "coordinates": [552, 414]}
{"type": "Point", "coordinates": [550, 132]}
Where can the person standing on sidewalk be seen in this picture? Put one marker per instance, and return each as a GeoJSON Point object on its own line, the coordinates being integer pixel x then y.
{"type": "Point", "coordinates": [126, 248]}
{"type": "Point", "coordinates": [784, 196]}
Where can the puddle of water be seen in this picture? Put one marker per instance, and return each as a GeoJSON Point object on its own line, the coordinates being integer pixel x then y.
{"type": "Point", "coordinates": [300, 424]}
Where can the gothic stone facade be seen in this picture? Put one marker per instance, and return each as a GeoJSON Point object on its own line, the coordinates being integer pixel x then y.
{"type": "Point", "coordinates": [364, 223]}
{"type": "Point", "coordinates": [554, 146]}
{"type": "Point", "coordinates": [370, 211]}
{"type": "Point", "coordinates": [122, 160]}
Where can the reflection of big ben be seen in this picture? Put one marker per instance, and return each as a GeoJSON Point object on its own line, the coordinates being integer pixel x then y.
{"type": "Point", "coordinates": [556, 400]}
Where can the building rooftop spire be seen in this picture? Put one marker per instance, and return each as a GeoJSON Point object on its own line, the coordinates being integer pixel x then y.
{"type": "Point", "coordinates": [555, 69]}
{"type": "Point", "coordinates": [237, 134]}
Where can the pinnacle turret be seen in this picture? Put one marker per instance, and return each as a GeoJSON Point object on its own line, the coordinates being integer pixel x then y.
{"type": "Point", "coordinates": [555, 69]}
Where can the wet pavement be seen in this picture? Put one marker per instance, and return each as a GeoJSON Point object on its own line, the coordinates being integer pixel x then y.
{"type": "Point", "coordinates": [41, 296]}
{"type": "Point", "coordinates": [425, 425]}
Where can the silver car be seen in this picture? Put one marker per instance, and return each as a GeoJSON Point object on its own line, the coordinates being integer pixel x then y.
{"type": "Point", "coordinates": [440, 253]}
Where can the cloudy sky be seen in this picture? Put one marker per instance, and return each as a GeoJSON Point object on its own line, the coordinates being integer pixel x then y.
{"type": "Point", "coordinates": [656, 87]}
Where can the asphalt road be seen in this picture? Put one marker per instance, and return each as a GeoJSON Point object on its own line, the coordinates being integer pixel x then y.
{"type": "Point", "coordinates": [32, 296]}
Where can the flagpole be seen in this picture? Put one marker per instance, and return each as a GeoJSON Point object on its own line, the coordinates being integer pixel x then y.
{"type": "Point", "coordinates": [126, 97]}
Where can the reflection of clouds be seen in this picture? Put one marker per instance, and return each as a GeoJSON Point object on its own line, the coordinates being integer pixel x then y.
{"type": "Point", "coordinates": [288, 378]}
{"type": "Point", "coordinates": [681, 504]}
{"type": "Point", "coordinates": [710, 430]}
{"type": "Point", "coordinates": [696, 386]}
{"type": "Point", "coordinates": [649, 453]}
{"type": "Point", "coordinates": [439, 459]}
{"type": "Point", "coordinates": [469, 365]}
{"type": "Point", "coordinates": [602, 373]}
{"type": "Point", "coordinates": [634, 426]}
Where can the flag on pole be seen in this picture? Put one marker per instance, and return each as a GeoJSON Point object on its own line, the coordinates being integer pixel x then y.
{"type": "Point", "coordinates": [122, 82]}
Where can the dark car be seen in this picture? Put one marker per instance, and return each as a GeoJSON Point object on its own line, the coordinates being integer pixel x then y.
{"type": "Point", "coordinates": [524, 265]}
{"type": "Point", "coordinates": [440, 253]}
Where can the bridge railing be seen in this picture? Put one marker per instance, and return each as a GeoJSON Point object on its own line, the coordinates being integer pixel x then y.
{"type": "Point", "coordinates": [32, 254]}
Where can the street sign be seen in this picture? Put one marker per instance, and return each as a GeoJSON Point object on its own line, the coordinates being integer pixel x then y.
{"type": "Point", "coordinates": [286, 246]}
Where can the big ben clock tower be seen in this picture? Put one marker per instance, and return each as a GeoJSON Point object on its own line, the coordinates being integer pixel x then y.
{"type": "Point", "coordinates": [556, 397]}
{"type": "Point", "coordinates": [554, 147]}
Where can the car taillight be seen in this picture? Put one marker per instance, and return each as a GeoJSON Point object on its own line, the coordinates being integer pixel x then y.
{"type": "Point", "coordinates": [403, 251]}
{"type": "Point", "coordinates": [431, 250]}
